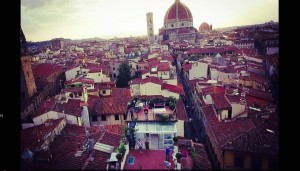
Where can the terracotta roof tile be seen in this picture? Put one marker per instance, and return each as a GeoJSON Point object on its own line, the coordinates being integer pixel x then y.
{"type": "Point", "coordinates": [152, 80]}
{"type": "Point", "coordinates": [173, 88]}
{"type": "Point", "coordinates": [180, 111]}
{"type": "Point", "coordinates": [220, 101]}
{"type": "Point", "coordinates": [163, 66]}
{"type": "Point", "coordinates": [223, 132]}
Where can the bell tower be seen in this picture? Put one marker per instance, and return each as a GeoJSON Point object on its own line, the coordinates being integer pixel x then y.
{"type": "Point", "coordinates": [28, 86]}
{"type": "Point", "coordinates": [150, 30]}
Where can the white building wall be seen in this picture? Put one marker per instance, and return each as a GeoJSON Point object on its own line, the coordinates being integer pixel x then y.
{"type": "Point", "coordinates": [71, 74]}
{"type": "Point", "coordinates": [207, 99]}
{"type": "Point", "coordinates": [71, 119]}
{"type": "Point", "coordinates": [164, 47]}
{"type": "Point", "coordinates": [154, 55]}
{"type": "Point", "coordinates": [98, 77]}
{"type": "Point", "coordinates": [180, 128]}
{"type": "Point", "coordinates": [135, 89]}
{"type": "Point", "coordinates": [171, 81]}
{"type": "Point", "coordinates": [224, 114]}
{"type": "Point", "coordinates": [164, 74]}
{"type": "Point", "coordinates": [198, 70]}
{"type": "Point", "coordinates": [167, 93]}
{"type": "Point", "coordinates": [42, 118]}
{"type": "Point", "coordinates": [150, 89]}
{"type": "Point", "coordinates": [110, 119]}
{"type": "Point", "coordinates": [145, 75]}
{"type": "Point", "coordinates": [237, 108]}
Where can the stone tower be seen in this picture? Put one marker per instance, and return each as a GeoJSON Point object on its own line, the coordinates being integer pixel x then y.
{"type": "Point", "coordinates": [28, 86]}
{"type": "Point", "coordinates": [150, 30]}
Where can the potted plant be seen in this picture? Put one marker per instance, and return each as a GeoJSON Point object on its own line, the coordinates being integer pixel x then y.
{"type": "Point", "coordinates": [119, 156]}
{"type": "Point", "coordinates": [178, 157]}
{"type": "Point", "coordinates": [122, 149]}
{"type": "Point", "coordinates": [175, 139]}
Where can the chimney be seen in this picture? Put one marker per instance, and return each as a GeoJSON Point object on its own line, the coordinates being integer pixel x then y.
{"type": "Point", "coordinates": [85, 94]}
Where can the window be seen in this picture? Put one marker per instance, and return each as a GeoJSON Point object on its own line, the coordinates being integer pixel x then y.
{"type": "Point", "coordinates": [113, 68]}
{"type": "Point", "coordinates": [94, 118]}
{"type": "Point", "coordinates": [150, 21]}
{"type": "Point", "coordinates": [27, 74]}
{"type": "Point", "coordinates": [79, 94]}
{"type": "Point", "coordinates": [182, 24]}
{"type": "Point", "coordinates": [99, 74]}
{"type": "Point", "coordinates": [103, 118]}
{"type": "Point", "coordinates": [256, 163]}
{"type": "Point", "coordinates": [172, 25]}
{"type": "Point", "coordinates": [103, 91]}
{"type": "Point", "coordinates": [239, 161]}
{"type": "Point", "coordinates": [150, 29]}
{"type": "Point", "coordinates": [117, 117]}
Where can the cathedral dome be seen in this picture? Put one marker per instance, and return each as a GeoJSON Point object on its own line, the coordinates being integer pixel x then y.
{"type": "Point", "coordinates": [179, 12]}
{"type": "Point", "coordinates": [203, 27]}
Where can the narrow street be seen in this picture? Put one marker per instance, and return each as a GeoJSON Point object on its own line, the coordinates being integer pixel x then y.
{"type": "Point", "coordinates": [194, 128]}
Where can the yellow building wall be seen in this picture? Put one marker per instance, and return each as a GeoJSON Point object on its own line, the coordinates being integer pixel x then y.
{"type": "Point", "coordinates": [228, 159]}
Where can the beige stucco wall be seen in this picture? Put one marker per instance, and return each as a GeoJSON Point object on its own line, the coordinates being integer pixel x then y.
{"type": "Point", "coordinates": [237, 108]}
{"type": "Point", "coordinates": [167, 93]}
{"type": "Point", "coordinates": [180, 128]}
{"type": "Point", "coordinates": [171, 81]}
{"type": "Point", "coordinates": [110, 119]}
{"type": "Point", "coordinates": [164, 74]}
{"type": "Point", "coordinates": [42, 118]}
{"type": "Point", "coordinates": [150, 89]}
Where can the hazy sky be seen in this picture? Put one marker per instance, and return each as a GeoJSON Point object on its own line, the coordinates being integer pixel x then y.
{"type": "Point", "coordinates": [76, 19]}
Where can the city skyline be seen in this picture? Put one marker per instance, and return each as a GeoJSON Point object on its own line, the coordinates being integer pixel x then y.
{"type": "Point", "coordinates": [74, 19]}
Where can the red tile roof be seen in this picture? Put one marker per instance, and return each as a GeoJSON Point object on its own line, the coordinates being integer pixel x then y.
{"type": "Point", "coordinates": [187, 67]}
{"type": "Point", "coordinates": [46, 106]}
{"type": "Point", "coordinates": [135, 81]}
{"type": "Point", "coordinates": [114, 104]}
{"type": "Point", "coordinates": [257, 140]}
{"type": "Point", "coordinates": [81, 79]}
{"type": "Point", "coordinates": [168, 58]}
{"type": "Point", "coordinates": [116, 128]}
{"type": "Point", "coordinates": [72, 107]}
{"type": "Point", "coordinates": [95, 70]}
{"type": "Point", "coordinates": [32, 137]}
{"type": "Point", "coordinates": [180, 111]}
{"type": "Point", "coordinates": [100, 157]}
{"type": "Point", "coordinates": [46, 69]}
{"type": "Point", "coordinates": [264, 95]}
{"type": "Point", "coordinates": [223, 132]}
{"type": "Point", "coordinates": [213, 89]}
{"type": "Point", "coordinates": [220, 101]}
{"type": "Point", "coordinates": [172, 88]}
{"type": "Point", "coordinates": [154, 80]}
{"type": "Point", "coordinates": [202, 158]}
{"type": "Point", "coordinates": [163, 66]}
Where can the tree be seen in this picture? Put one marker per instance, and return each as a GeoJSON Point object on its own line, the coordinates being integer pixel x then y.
{"type": "Point", "coordinates": [124, 75]}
